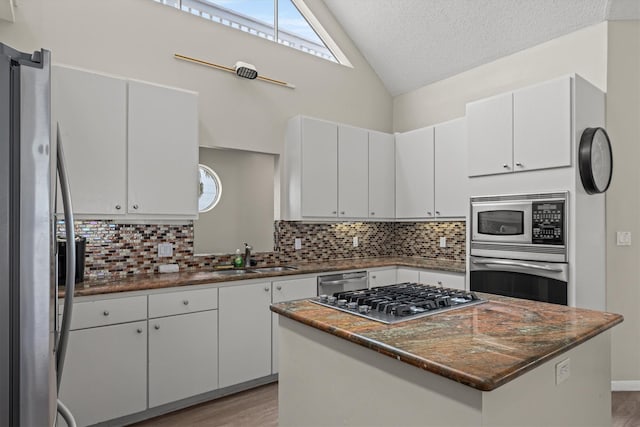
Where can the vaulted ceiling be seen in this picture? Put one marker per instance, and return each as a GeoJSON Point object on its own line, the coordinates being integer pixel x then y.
{"type": "Point", "coordinates": [411, 43]}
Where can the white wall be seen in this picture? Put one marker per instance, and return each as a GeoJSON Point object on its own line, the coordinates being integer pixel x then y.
{"type": "Point", "coordinates": [137, 39]}
{"type": "Point", "coordinates": [623, 197]}
{"type": "Point", "coordinates": [583, 52]}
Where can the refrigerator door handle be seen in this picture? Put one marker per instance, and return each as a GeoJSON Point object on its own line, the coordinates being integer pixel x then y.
{"type": "Point", "coordinates": [70, 258]}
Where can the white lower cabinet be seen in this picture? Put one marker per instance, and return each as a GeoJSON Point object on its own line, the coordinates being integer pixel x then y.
{"type": "Point", "coordinates": [105, 372]}
{"type": "Point", "coordinates": [288, 290]}
{"type": "Point", "coordinates": [444, 279]}
{"type": "Point", "coordinates": [382, 277]}
{"type": "Point", "coordinates": [183, 356]}
{"type": "Point", "coordinates": [244, 333]}
{"type": "Point", "coordinates": [408, 275]}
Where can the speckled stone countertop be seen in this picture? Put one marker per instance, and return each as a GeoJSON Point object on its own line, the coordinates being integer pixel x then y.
{"type": "Point", "coordinates": [483, 346]}
{"type": "Point", "coordinates": [157, 281]}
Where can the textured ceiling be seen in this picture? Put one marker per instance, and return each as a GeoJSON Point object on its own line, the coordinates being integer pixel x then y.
{"type": "Point", "coordinates": [411, 43]}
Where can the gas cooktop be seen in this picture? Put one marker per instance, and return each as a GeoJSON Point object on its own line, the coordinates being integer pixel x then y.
{"type": "Point", "coordinates": [400, 302]}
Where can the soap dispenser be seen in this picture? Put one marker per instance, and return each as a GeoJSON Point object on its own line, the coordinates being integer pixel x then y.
{"type": "Point", "coordinates": [237, 260]}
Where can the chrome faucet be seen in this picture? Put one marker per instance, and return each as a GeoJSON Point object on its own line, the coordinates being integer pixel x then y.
{"type": "Point", "coordinates": [247, 254]}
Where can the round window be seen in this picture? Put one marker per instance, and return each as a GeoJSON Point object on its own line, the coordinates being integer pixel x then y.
{"type": "Point", "coordinates": [210, 189]}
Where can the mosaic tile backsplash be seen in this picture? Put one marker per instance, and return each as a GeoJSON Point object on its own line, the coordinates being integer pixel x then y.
{"type": "Point", "coordinates": [125, 249]}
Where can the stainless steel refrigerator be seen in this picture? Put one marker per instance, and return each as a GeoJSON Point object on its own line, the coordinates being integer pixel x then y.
{"type": "Point", "coordinates": [31, 347]}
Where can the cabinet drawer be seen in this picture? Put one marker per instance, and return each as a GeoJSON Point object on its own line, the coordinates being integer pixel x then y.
{"type": "Point", "coordinates": [108, 312]}
{"type": "Point", "coordinates": [182, 302]}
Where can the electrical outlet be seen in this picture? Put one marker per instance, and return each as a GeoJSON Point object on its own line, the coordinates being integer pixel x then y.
{"type": "Point", "coordinates": [443, 242]}
{"type": "Point", "coordinates": [165, 250]}
{"type": "Point", "coordinates": [355, 242]}
{"type": "Point", "coordinates": [623, 238]}
{"type": "Point", "coordinates": [563, 371]}
{"type": "Point", "coordinates": [297, 244]}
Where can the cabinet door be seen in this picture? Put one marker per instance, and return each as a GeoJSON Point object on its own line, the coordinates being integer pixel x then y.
{"type": "Point", "coordinates": [442, 278]}
{"type": "Point", "coordinates": [319, 169]}
{"type": "Point", "coordinates": [163, 150]}
{"type": "Point", "coordinates": [92, 112]}
{"type": "Point", "coordinates": [542, 125]}
{"type": "Point", "coordinates": [288, 290]}
{"type": "Point", "coordinates": [183, 356]}
{"type": "Point", "coordinates": [353, 172]}
{"type": "Point", "coordinates": [414, 174]}
{"type": "Point", "coordinates": [490, 135]}
{"type": "Point", "coordinates": [407, 275]}
{"type": "Point", "coordinates": [105, 372]}
{"type": "Point", "coordinates": [382, 175]}
{"type": "Point", "coordinates": [382, 277]}
{"type": "Point", "coordinates": [245, 333]}
{"type": "Point", "coordinates": [451, 180]}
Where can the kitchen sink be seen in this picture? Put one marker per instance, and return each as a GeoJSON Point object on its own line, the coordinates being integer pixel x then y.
{"type": "Point", "coordinates": [233, 272]}
{"type": "Point", "coordinates": [275, 269]}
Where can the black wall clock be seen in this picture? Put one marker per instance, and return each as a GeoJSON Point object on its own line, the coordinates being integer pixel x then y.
{"type": "Point", "coordinates": [595, 160]}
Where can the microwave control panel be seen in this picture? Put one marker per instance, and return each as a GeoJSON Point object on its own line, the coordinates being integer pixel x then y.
{"type": "Point", "coordinates": [548, 223]}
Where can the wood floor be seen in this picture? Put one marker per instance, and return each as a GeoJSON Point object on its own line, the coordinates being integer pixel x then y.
{"type": "Point", "coordinates": [259, 408]}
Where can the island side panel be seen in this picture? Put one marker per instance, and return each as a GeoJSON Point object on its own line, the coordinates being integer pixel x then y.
{"type": "Point", "coordinates": [325, 380]}
{"type": "Point", "coordinates": [534, 399]}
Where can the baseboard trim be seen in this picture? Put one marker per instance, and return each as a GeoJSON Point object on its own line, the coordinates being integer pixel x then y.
{"type": "Point", "coordinates": [625, 385]}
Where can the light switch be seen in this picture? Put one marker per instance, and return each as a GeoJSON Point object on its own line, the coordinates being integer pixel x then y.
{"type": "Point", "coordinates": [165, 250]}
{"type": "Point", "coordinates": [623, 238]}
{"type": "Point", "coordinates": [297, 244]}
{"type": "Point", "coordinates": [355, 242]}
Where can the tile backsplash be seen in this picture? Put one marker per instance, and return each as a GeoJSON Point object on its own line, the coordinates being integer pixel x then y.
{"type": "Point", "coordinates": [125, 249]}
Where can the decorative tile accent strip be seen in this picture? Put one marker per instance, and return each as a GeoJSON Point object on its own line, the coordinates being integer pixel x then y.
{"type": "Point", "coordinates": [126, 249]}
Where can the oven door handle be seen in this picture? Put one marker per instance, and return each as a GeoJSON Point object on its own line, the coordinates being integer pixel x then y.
{"type": "Point", "coordinates": [503, 262]}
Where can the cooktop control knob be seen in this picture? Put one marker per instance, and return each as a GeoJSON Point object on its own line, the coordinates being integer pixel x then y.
{"type": "Point", "coordinates": [331, 300]}
{"type": "Point", "coordinates": [342, 303]}
{"type": "Point", "coordinates": [324, 298]}
{"type": "Point", "coordinates": [364, 309]}
{"type": "Point", "coordinates": [352, 305]}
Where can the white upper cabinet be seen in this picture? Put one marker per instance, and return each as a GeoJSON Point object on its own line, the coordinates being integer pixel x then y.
{"type": "Point", "coordinates": [163, 150]}
{"type": "Point", "coordinates": [353, 172]}
{"type": "Point", "coordinates": [451, 181]}
{"type": "Point", "coordinates": [92, 112]}
{"type": "Point", "coordinates": [527, 129]}
{"type": "Point", "coordinates": [542, 125]}
{"type": "Point", "coordinates": [131, 147]}
{"type": "Point", "coordinates": [490, 135]}
{"type": "Point", "coordinates": [319, 145]}
{"type": "Point", "coordinates": [414, 174]}
{"type": "Point", "coordinates": [382, 175]}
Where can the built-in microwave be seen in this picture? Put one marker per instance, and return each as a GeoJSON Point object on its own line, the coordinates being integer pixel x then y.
{"type": "Point", "coordinates": [526, 226]}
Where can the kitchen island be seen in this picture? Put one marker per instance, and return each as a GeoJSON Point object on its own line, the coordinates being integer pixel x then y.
{"type": "Point", "coordinates": [505, 362]}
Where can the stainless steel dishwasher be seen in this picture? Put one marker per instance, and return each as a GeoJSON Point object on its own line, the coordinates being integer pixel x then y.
{"type": "Point", "coordinates": [332, 283]}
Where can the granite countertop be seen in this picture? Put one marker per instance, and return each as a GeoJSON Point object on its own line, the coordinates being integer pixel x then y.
{"type": "Point", "coordinates": [141, 282]}
{"type": "Point", "coordinates": [483, 346]}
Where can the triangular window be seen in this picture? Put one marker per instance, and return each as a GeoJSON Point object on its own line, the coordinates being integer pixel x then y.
{"type": "Point", "coordinates": [289, 22]}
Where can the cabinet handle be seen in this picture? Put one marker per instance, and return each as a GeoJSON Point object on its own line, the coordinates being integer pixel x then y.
{"type": "Point", "coordinates": [135, 206]}
{"type": "Point", "coordinates": [279, 287]}
{"type": "Point", "coordinates": [519, 164]}
{"type": "Point", "coordinates": [429, 213]}
{"type": "Point", "coordinates": [139, 330]}
{"type": "Point", "coordinates": [342, 213]}
{"type": "Point", "coordinates": [373, 277]}
{"type": "Point", "coordinates": [334, 212]}
{"type": "Point", "coordinates": [506, 166]}
{"type": "Point", "coordinates": [156, 327]}
{"type": "Point", "coordinates": [118, 207]}
{"type": "Point", "coordinates": [373, 213]}
{"type": "Point", "coordinates": [185, 302]}
{"type": "Point", "coordinates": [440, 282]}
{"type": "Point", "coordinates": [266, 289]}
{"type": "Point", "coordinates": [437, 212]}
{"type": "Point", "coordinates": [106, 313]}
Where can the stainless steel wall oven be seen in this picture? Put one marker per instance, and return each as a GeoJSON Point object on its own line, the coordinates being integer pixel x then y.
{"type": "Point", "coordinates": [519, 246]}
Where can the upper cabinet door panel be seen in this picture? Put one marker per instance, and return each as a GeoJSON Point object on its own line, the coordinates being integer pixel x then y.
{"type": "Point", "coordinates": [490, 135]}
{"type": "Point", "coordinates": [163, 150]}
{"type": "Point", "coordinates": [414, 174]}
{"type": "Point", "coordinates": [353, 172]}
{"type": "Point", "coordinates": [542, 125]}
{"type": "Point", "coordinates": [382, 175]}
{"type": "Point", "coordinates": [451, 189]}
{"type": "Point", "coordinates": [319, 168]}
{"type": "Point", "coordinates": [92, 112]}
